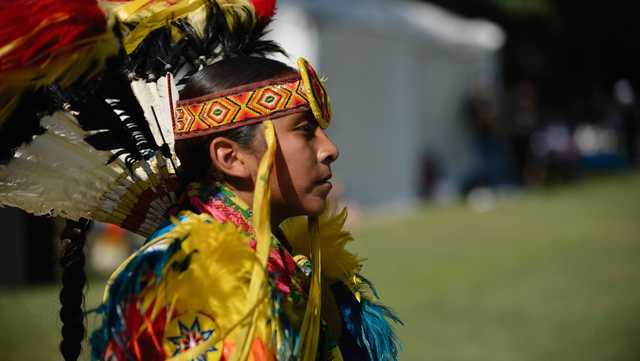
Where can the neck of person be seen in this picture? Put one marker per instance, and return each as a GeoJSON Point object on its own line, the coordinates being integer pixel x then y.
{"type": "Point", "coordinates": [246, 194]}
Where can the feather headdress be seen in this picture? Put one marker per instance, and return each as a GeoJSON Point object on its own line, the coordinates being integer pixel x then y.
{"type": "Point", "coordinates": [87, 97]}
{"type": "Point", "coordinates": [50, 41]}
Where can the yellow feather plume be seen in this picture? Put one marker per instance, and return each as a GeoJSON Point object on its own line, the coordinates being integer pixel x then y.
{"type": "Point", "coordinates": [219, 271]}
{"type": "Point", "coordinates": [324, 240]}
{"type": "Point", "coordinates": [337, 262]}
{"type": "Point", "coordinates": [216, 281]}
{"type": "Point", "coordinates": [146, 16]}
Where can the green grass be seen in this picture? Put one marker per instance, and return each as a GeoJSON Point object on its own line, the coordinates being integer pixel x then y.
{"type": "Point", "coordinates": [550, 275]}
{"type": "Point", "coordinates": [30, 328]}
{"type": "Point", "coordinates": [547, 275]}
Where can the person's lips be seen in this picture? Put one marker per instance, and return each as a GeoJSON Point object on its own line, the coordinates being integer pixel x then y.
{"type": "Point", "coordinates": [325, 182]}
{"type": "Point", "coordinates": [325, 179]}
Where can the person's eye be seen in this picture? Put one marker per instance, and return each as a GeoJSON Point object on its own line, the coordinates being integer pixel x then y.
{"type": "Point", "coordinates": [308, 129]}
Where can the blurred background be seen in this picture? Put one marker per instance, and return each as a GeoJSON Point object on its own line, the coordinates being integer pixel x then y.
{"type": "Point", "coordinates": [489, 158]}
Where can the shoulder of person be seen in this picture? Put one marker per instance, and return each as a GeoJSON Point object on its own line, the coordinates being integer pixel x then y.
{"type": "Point", "coordinates": [186, 286]}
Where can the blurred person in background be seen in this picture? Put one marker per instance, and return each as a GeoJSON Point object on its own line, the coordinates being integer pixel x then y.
{"type": "Point", "coordinates": [625, 98]}
{"type": "Point", "coordinates": [524, 119]}
{"type": "Point", "coordinates": [483, 121]}
{"type": "Point", "coordinates": [554, 150]}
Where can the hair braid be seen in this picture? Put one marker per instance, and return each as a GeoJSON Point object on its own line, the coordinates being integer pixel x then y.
{"type": "Point", "coordinates": [74, 279]}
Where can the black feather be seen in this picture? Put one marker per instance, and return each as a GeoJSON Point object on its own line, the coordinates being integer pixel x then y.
{"type": "Point", "coordinates": [245, 39]}
{"type": "Point", "coordinates": [24, 122]}
{"type": "Point", "coordinates": [159, 53]}
{"type": "Point", "coordinates": [156, 55]}
{"type": "Point", "coordinates": [111, 112]}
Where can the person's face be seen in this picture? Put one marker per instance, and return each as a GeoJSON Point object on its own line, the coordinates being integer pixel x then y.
{"type": "Point", "coordinates": [302, 167]}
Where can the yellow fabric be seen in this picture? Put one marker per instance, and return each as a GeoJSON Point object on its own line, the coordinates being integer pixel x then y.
{"type": "Point", "coordinates": [262, 226]}
{"type": "Point", "coordinates": [336, 355]}
{"type": "Point", "coordinates": [256, 302]}
{"type": "Point", "coordinates": [310, 331]}
{"type": "Point", "coordinates": [220, 264]}
{"type": "Point", "coordinates": [215, 285]}
{"type": "Point", "coordinates": [174, 328]}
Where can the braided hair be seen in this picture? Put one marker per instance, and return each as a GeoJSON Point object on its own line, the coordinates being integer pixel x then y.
{"type": "Point", "coordinates": [72, 314]}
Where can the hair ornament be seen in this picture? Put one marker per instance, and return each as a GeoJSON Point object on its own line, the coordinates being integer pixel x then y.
{"type": "Point", "coordinates": [317, 95]}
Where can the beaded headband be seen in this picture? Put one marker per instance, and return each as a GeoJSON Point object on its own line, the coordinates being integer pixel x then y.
{"type": "Point", "coordinates": [253, 103]}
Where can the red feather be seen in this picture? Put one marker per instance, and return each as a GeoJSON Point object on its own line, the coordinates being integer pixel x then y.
{"type": "Point", "coordinates": [33, 31]}
{"type": "Point", "coordinates": [265, 9]}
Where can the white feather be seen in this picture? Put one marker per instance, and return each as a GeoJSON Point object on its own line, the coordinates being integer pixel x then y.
{"type": "Point", "coordinates": [161, 97]}
{"type": "Point", "coordinates": [59, 174]}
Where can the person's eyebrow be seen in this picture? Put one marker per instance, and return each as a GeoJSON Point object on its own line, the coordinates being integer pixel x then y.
{"type": "Point", "coordinates": [301, 119]}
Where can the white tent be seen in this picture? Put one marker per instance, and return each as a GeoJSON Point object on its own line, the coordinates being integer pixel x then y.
{"type": "Point", "coordinates": [398, 73]}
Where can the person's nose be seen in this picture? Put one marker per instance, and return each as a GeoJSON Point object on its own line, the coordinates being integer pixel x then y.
{"type": "Point", "coordinates": [327, 150]}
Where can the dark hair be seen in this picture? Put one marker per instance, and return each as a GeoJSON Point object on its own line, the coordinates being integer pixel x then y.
{"type": "Point", "coordinates": [72, 260]}
{"type": "Point", "coordinates": [224, 74]}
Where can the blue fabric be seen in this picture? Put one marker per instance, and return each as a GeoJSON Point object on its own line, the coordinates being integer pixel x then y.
{"type": "Point", "coordinates": [164, 228]}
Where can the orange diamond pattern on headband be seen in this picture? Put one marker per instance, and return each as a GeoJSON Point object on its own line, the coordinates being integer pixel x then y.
{"type": "Point", "coordinates": [267, 100]}
{"type": "Point", "coordinates": [218, 111]}
{"type": "Point", "coordinates": [232, 108]}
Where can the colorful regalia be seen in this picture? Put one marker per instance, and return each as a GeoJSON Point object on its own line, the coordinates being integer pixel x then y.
{"type": "Point", "coordinates": [188, 285]}
{"type": "Point", "coordinates": [89, 116]}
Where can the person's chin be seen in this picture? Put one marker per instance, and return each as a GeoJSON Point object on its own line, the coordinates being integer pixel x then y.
{"type": "Point", "coordinates": [314, 205]}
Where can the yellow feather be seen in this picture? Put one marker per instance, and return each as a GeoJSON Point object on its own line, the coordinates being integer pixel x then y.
{"type": "Point", "coordinates": [220, 262]}
{"type": "Point", "coordinates": [324, 240]}
{"type": "Point", "coordinates": [216, 281]}
{"type": "Point", "coordinates": [337, 262]}
{"type": "Point", "coordinates": [148, 15]}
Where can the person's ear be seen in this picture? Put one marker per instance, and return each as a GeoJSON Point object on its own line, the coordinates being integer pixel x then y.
{"type": "Point", "coordinates": [226, 157]}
